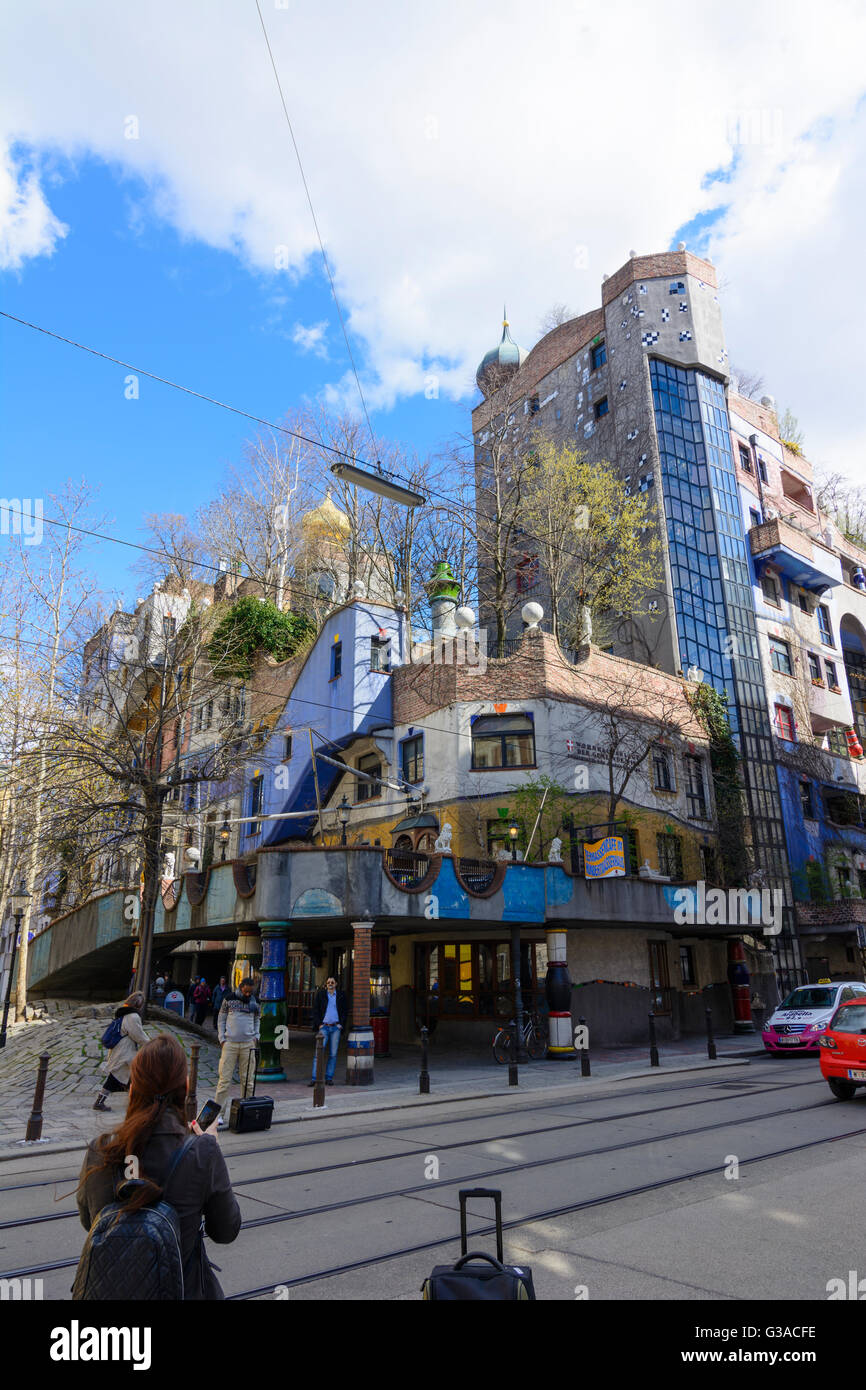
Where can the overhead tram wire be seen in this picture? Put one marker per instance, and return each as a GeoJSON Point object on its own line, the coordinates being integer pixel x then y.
{"type": "Point", "coordinates": [247, 415]}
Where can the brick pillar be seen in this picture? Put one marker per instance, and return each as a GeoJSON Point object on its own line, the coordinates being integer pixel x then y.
{"type": "Point", "coordinates": [359, 1061]}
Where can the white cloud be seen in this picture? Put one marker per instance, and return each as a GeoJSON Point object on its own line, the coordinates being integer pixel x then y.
{"type": "Point", "coordinates": [462, 155]}
{"type": "Point", "coordinates": [311, 339]}
{"type": "Point", "coordinates": [28, 227]}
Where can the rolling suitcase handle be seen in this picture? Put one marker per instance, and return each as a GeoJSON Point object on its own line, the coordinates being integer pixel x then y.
{"type": "Point", "coordinates": [254, 1052]}
{"type": "Point", "coordinates": [496, 1195]}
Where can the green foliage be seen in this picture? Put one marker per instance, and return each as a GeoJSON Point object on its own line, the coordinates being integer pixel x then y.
{"type": "Point", "coordinates": [525, 804]}
{"type": "Point", "coordinates": [709, 707]}
{"type": "Point", "coordinates": [790, 433]}
{"type": "Point", "coordinates": [249, 625]}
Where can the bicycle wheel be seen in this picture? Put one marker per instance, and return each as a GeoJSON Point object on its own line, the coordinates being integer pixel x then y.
{"type": "Point", "coordinates": [536, 1044]}
{"type": "Point", "coordinates": [502, 1046]}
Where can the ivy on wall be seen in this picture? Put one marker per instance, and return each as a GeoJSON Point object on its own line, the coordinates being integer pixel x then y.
{"type": "Point", "coordinates": [249, 625]}
{"type": "Point", "coordinates": [710, 709]}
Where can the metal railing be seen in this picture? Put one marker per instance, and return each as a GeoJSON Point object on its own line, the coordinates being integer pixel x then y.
{"type": "Point", "coordinates": [407, 867]}
{"type": "Point", "coordinates": [477, 874]}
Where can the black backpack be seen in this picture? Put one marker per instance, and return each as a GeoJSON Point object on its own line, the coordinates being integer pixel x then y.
{"type": "Point", "coordinates": [137, 1254]}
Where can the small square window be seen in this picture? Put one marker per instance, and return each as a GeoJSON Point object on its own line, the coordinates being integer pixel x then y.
{"type": "Point", "coordinates": [601, 408]}
{"type": "Point", "coordinates": [676, 287]}
{"type": "Point", "coordinates": [598, 356]}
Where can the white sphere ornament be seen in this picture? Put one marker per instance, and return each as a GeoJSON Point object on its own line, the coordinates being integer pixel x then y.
{"type": "Point", "coordinates": [532, 614]}
{"type": "Point", "coordinates": [464, 618]}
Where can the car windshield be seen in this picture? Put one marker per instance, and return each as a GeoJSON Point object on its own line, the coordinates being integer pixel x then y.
{"type": "Point", "coordinates": [850, 1019]}
{"type": "Point", "coordinates": [810, 997]}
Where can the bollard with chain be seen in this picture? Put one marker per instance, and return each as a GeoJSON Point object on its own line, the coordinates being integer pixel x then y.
{"type": "Point", "coordinates": [34, 1124]}
{"type": "Point", "coordinates": [192, 1084]}
{"type": "Point", "coordinates": [584, 1051]}
{"type": "Point", "coordinates": [512, 1065]}
{"type": "Point", "coordinates": [654, 1052]}
{"type": "Point", "coordinates": [319, 1088]}
{"type": "Point", "coordinates": [424, 1079]}
{"type": "Point", "coordinates": [711, 1043]}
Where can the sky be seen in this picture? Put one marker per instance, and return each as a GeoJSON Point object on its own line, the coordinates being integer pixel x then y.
{"type": "Point", "coordinates": [458, 156]}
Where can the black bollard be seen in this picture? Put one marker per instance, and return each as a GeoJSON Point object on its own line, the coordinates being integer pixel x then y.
{"type": "Point", "coordinates": [654, 1052]}
{"type": "Point", "coordinates": [192, 1083]}
{"type": "Point", "coordinates": [584, 1053]}
{"type": "Point", "coordinates": [711, 1044]}
{"type": "Point", "coordinates": [424, 1079]}
{"type": "Point", "coordinates": [512, 1065]}
{"type": "Point", "coordinates": [319, 1088]}
{"type": "Point", "coordinates": [34, 1124]}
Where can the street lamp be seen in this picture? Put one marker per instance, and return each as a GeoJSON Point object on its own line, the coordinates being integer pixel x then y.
{"type": "Point", "coordinates": [20, 901]}
{"type": "Point", "coordinates": [514, 831]}
{"type": "Point", "coordinates": [225, 836]}
{"type": "Point", "coordinates": [343, 812]}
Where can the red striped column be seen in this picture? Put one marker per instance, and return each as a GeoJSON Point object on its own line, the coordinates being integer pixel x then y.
{"type": "Point", "coordinates": [359, 1059]}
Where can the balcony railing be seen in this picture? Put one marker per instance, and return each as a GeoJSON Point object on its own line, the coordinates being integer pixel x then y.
{"type": "Point", "coordinates": [406, 867]}
{"type": "Point", "coordinates": [477, 874]}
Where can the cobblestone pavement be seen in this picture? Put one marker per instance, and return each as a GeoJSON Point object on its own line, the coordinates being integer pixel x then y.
{"type": "Point", "coordinates": [75, 1072]}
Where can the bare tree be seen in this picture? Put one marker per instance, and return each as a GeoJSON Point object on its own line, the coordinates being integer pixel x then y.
{"type": "Point", "coordinates": [747, 383]}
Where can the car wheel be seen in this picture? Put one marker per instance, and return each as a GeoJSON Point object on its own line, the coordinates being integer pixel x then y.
{"type": "Point", "coordinates": [842, 1090]}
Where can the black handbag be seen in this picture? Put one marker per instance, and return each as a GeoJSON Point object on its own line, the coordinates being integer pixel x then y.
{"type": "Point", "coordinates": [491, 1280]}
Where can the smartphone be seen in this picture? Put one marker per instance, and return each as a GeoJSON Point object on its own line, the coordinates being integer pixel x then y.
{"type": "Point", "coordinates": [206, 1116]}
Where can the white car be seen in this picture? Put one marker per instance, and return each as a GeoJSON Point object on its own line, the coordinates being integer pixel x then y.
{"type": "Point", "coordinates": [800, 1020]}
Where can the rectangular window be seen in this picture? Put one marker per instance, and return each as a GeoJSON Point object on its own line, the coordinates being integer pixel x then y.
{"type": "Point", "coordinates": [601, 408]}
{"type": "Point", "coordinates": [676, 287]}
{"type": "Point", "coordinates": [663, 777]}
{"type": "Point", "coordinates": [598, 356]}
{"type": "Point", "coordinates": [527, 572]}
{"type": "Point", "coordinates": [803, 601]}
{"type": "Point", "coordinates": [256, 798]}
{"type": "Point", "coordinates": [755, 516]}
{"type": "Point", "coordinates": [503, 741]}
{"type": "Point", "coordinates": [380, 653]}
{"type": "Point", "coordinates": [695, 789]}
{"type": "Point", "coordinates": [770, 590]}
{"type": "Point", "coordinates": [807, 800]}
{"type": "Point", "coordinates": [364, 790]}
{"type": "Point", "coordinates": [534, 405]}
{"type": "Point", "coordinates": [287, 748]}
{"type": "Point", "coordinates": [745, 458]}
{"type": "Point", "coordinates": [670, 854]}
{"type": "Point", "coordinates": [336, 660]}
{"type": "Point", "coordinates": [784, 720]}
{"type": "Point", "coordinates": [660, 985]}
{"type": "Point", "coordinates": [412, 759]}
{"type": "Point", "coordinates": [844, 881]}
{"type": "Point", "coordinates": [832, 678]}
{"type": "Point", "coordinates": [814, 667]}
{"type": "Point", "coordinates": [824, 627]}
{"type": "Point", "coordinates": [687, 965]}
{"type": "Point", "coordinates": [709, 865]}
{"type": "Point", "coordinates": [762, 469]}
{"type": "Point", "coordinates": [780, 657]}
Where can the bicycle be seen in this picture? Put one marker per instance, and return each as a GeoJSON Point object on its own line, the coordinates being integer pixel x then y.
{"type": "Point", "coordinates": [534, 1039]}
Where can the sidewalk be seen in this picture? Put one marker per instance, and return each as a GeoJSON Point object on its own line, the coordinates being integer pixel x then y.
{"type": "Point", "coordinates": [75, 1071]}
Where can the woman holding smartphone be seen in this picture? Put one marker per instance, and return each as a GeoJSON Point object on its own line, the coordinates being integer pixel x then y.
{"type": "Point", "coordinates": [155, 1127]}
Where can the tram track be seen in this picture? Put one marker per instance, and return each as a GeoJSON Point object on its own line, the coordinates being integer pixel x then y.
{"type": "Point", "coordinates": [484, 1174]}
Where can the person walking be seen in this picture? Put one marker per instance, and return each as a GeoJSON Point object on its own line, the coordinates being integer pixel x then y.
{"type": "Point", "coordinates": [201, 999]}
{"type": "Point", "coordinates": [159, 989]}
{"type": "Point", "coordinates": [219, 995]}
{"type": "Point", "coordinates": [330, 1012]}
{"type": "Point", "coordinates": [132, 1037]}
{"type": "Point", "coordinates": [190, 1002]}
{"type": "Point", "coordinates": [238, 1032]}
{"type": "Point", "coordinates": [154, 1129]}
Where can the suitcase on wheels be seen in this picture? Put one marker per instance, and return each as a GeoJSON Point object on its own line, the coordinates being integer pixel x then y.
{"type": "Point", "coordinates": [490, 1281]}
{"type": "Point", "coordinates": [254, 1113]}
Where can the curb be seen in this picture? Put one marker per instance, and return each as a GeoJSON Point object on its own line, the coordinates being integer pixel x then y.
{"type": "Point", "coordinates": [418, 1102]}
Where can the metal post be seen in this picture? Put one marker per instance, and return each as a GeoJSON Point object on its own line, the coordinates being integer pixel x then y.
{"type": "Point", "coordinates": [519, 1047]}
{"type": "Point", "coordinates": [192, 1083]}
{"type": "Point", "coordinates": [512, 1065]}
{"type": "Point", "coordinates": [654, 1052]}
{"type": "Point", "coordinates": [15, 931]}
{"type": "Point", "coordinates": [711, 1045]}
{"type": "Point", "coordinates": [34, 1124]}
{"type": "Point", "coordinates": [319, 1088]}
{"type": "Point", "coordinates": [584, 1053]}
{"type": "Point", "coordinates": [424, 1079]}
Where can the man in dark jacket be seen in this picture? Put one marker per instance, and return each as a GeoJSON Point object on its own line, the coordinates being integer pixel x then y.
{"type": "Point", "coordinates": [330, 1013]}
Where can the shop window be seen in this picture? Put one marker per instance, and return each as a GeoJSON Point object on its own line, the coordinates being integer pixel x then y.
{"type": "Point", "coordinates": [687, 965]}
{"type": "Point", "coordinates": [503, 741]}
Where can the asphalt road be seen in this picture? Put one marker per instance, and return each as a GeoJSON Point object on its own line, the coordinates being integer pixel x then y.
{"type": "Point", "coordinates": [743, 1182]}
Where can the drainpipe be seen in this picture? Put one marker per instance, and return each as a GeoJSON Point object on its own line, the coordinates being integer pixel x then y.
{"type": "Point", "coordinates": [753, 441]}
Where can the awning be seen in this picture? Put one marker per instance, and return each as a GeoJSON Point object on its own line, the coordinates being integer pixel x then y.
{"type": "Point", "coordinates": [425, 822]}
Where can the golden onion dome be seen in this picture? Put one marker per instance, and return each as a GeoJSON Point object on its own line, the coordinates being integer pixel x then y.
{"type": "Point", "coordinates": [326, 522]}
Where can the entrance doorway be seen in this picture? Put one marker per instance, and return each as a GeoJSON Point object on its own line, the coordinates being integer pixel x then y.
{"type": "Point", "coordinates": [300, 988]}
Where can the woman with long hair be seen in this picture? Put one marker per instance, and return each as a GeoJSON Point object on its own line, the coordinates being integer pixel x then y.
{"type": "Point", "coordinates": [132, 1037]}
{"type": "Point", "coordinates": [154, 1128]}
